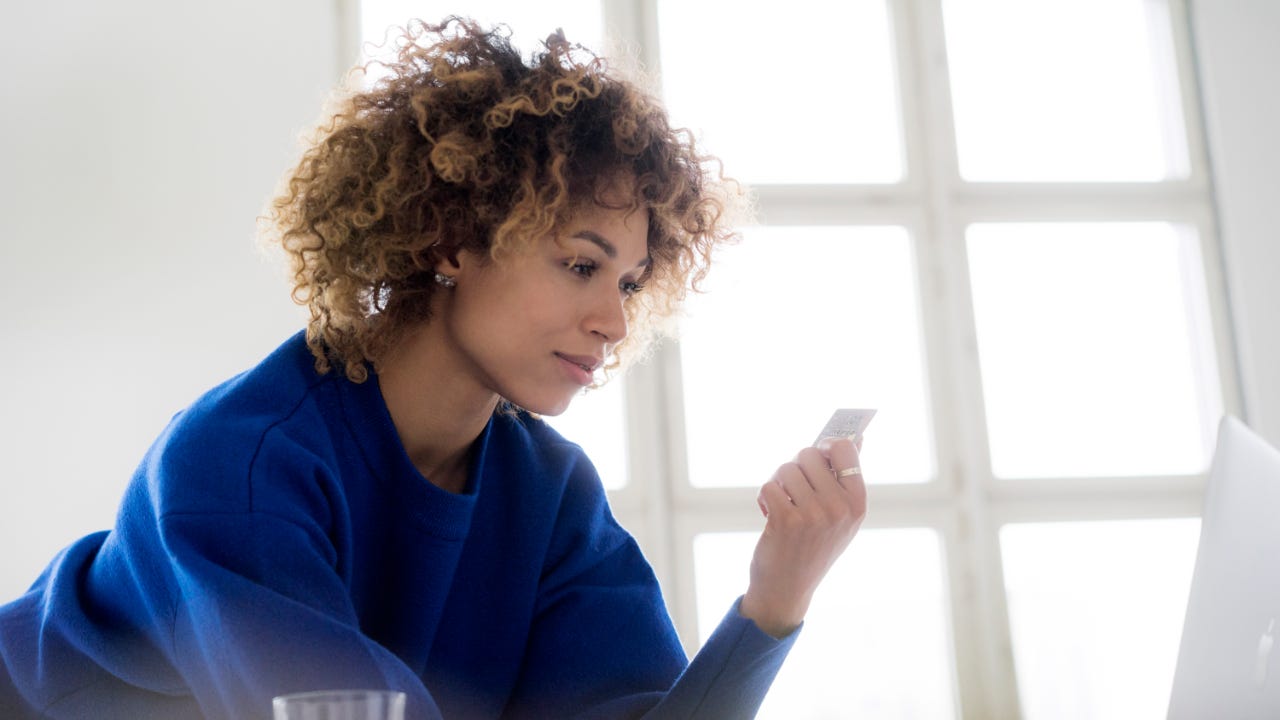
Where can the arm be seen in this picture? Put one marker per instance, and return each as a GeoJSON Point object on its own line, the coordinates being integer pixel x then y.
{"type": "Point", "coordinates": [263, 612]}
{"type": "Point", "coordinates": [608, 650]}
{"type": "Point", "coordinates": [811, 517]}
{"type": "Point", "coordinates": [602, 645]}
{"type": "Point", "coordinates": [730, 675]}
{"type": "Point", "coordinates": [262, 541]}
{"type": "Point", "coordinates": [196, 614]}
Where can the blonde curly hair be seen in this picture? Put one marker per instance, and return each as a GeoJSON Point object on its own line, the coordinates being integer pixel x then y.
{"type": "Point", "coordinates": [461, 145]}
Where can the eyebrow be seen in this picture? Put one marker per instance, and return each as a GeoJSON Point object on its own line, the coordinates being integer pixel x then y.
{"type": "Point", "coordinates": [605, 246]}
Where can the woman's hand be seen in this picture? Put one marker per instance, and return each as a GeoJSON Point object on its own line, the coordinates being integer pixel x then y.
{"type": "Point", "coordinates": [811, 516]}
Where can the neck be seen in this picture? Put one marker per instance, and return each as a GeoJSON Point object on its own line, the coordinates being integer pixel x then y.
{"type": "Point", "coordinates": [436, 412]}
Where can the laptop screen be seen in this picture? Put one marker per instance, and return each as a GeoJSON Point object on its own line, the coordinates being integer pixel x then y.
{"type": "Point", "coordinates": [1226, 661]}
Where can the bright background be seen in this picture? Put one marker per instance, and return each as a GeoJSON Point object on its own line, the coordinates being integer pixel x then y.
{"type": "Point", "coordinates": [140, 140]}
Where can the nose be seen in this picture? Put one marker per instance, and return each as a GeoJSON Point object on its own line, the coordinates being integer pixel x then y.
{"type": "Point", "coordinates": [608, 318]}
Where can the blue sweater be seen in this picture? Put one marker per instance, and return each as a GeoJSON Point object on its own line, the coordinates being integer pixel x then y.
{"type": "Point", "coordinates": [277, 539]}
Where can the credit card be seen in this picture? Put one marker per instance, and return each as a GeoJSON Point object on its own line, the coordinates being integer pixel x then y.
{"type": "Point", "coordinates": [846, 422]}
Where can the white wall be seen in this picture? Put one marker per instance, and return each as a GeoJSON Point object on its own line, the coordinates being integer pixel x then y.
{"type": "Point", "coordinates": [139, 140]}
{"type": "Point", "coordinates": [1238, 60]}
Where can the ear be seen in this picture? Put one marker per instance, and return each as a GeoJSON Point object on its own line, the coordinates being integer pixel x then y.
{"type": "Point", "coordinates": [458, 263]}
{"type": "Point", "coordinates": [448, 262]}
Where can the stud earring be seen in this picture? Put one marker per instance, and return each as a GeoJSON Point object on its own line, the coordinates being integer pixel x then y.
{"type": "Point", "coordinates": [445, 281]}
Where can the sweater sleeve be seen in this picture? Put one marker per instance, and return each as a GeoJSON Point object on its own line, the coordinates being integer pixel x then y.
{"type": "Point", "coordinates": [611, 653]}
{"type": "Point", "coordinates": [730, 675]}
{"type": "Point", "coordinates": [195, 605]}
{"type": "Point", "coordinates": [602, 644]}
{"type": "Point", "coordinates": [260, 572]}
{"type": "Point", "coordinates": [266, 614]}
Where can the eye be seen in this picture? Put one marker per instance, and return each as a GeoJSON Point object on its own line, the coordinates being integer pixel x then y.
{"type": "Point", "coordinates": [583, 268]}
{"type": "Point", "coordinates": [630, 288]}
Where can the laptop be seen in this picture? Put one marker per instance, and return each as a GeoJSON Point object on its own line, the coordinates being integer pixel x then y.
{"type": "Point", "coordinates": [1227, 661]}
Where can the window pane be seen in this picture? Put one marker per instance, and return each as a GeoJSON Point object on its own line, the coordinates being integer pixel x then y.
{"type": "Point", "coordinates": [596, 420]}
{"type": "Point", "coordinates": [876, 642]}
{"type": "Point", "coordinates": [1068, 91]}
{"type": "Point", "coordinates": [1096, 357]}
{"type": "Point", "coordinates": [530, 23]}
{"type": "Point", "coordinates": [777, 110]}
{"type": "Point", "coordinates": [1096, 612]}
{"type": "Point", "coordinates": [796, 322]}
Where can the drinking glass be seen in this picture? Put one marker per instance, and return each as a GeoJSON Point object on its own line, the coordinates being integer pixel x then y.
{"type": "Point", "coordinates": [340, 705]}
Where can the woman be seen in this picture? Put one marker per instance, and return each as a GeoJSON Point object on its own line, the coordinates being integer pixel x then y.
{"type": "Point", "coordinates": [376, 504]}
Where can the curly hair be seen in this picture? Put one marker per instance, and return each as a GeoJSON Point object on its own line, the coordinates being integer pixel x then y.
{"type": "Point", "coordinates": [461, 145]}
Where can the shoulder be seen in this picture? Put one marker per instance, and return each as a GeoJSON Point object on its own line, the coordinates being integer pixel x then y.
{"type": "Point", "coordinates": [545, 451]}
{"type": "Point", "coordinates": [277, 411]}
{"type": "Point", "coordinates": [561, 475]}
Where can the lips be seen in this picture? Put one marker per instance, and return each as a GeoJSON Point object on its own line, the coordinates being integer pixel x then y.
{"type": "Point", "coordinates": [579, 369]}
{"type": "Point", "coordinates": [589, 363]}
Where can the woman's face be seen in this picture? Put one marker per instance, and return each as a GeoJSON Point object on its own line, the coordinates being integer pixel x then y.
{"type": "Point", "coordinates": [533, 327]}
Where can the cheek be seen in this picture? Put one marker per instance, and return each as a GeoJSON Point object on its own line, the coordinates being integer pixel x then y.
{"type": "Point", "coordinates": [538, 317]}
{"type": "Point", "coordinates": [501, 318]}
{"type": "Point", "coordinates": [512, 306]}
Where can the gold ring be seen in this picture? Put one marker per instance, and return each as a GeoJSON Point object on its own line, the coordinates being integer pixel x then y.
{"type": "Point", "coordinates": [849, 471]}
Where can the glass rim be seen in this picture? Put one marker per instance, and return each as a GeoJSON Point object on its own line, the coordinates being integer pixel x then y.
{"type": "Point", "coordinates": [337, 693]}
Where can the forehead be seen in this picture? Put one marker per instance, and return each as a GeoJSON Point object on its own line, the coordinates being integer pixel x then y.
{"type": "Point", "coordinates": [630, 214]}
{"type": "Point", "coordinates": [622, 231]}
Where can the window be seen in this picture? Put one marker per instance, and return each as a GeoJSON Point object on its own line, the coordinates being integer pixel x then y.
{"type": "Point", "coordinates": [991, 220]}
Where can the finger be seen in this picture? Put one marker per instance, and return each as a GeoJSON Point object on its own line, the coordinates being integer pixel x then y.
{"type": "Point", "coordinates": [847, 470]}
{"type": "Point", "coordinates": [772, 496]}
{"type": "Point", "coordinates": [840, 455]}
{"type": "Point", "coordinates": [791, 478]}
{"type": "Point", "coordinates": [824, 445]}
{"type": "Point", "coordinates": [845, 458]}
{"type": "Point", "coordinates": [851, 487]}
{"type": "Point", "coordinates": [817, 470]}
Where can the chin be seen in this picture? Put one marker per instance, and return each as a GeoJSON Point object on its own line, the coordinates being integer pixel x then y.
{"type": "Point", "coordinates": [552, 410]}
{"type": "Point", "coordinates": [545, 406]}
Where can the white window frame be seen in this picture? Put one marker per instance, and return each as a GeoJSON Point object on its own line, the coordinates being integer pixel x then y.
{"type": "Point", "coordinates": [966, 505]}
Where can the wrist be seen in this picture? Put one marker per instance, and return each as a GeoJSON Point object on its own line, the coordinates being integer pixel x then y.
{"type": "Point", "coordinates": [777, 620]}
